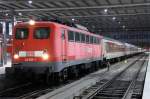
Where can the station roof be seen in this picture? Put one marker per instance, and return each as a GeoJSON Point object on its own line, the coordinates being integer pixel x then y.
{"type": "Point", "coordinates": [97, 15]}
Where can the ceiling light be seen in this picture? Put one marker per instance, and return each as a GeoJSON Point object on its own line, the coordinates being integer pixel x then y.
{"type": "Point", "coordinates": [105, 10]}
{"type": "Point", "coordinates": [6, 14]}
{"type": "Point", "coordinates": [20, 14]}
{"type": "Point", "coordinates": [30, 1]}
{"type": "Point", "coordinates": [114, 18]}
{"type": "Point", "coordinates": [123, 26]}
{"type": "Point", "coordinates": [119, 22]}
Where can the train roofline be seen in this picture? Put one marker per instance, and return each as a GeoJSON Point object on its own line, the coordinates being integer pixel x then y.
{"type": "Point", "coordinates": [54, 23]}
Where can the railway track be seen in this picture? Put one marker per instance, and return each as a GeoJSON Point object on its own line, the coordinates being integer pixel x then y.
{"type": "Point", "coordinates": [15, 92]}
{"type": "Point", "coordinates": [30, 90]}
{"type": "Point", "coordinates": [113, 88]}
{"type": "Point", "coordinates": [35, 94]}
{"type": "Point", "coordinates": [39, 93]}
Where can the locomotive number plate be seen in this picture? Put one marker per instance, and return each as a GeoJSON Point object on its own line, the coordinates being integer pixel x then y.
{"type": "Point", "coordinates": [29, 59]}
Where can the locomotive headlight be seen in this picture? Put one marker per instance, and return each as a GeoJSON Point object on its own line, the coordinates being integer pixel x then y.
{"type": "Point", "coordinates": [45, 56]}
{"type": "Point", "coordinates": [31, 22]}
{"type": "Point", "coordinates": [16, 56]}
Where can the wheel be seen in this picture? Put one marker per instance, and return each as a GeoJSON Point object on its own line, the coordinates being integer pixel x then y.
{"type": "Point", "coordinates": [64, 76]}
{"type": "Point", "coordinates": [48, 79]}
{"type": "Point", "coordinates": [9, 72]}
{"type": "Point", "coordinates": [73, 72]}
{"type": "Point", "coordinates": [82, 70]}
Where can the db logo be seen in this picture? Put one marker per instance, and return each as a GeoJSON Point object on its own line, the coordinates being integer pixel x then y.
{"type": "Point", "coordinates": [29, 59]}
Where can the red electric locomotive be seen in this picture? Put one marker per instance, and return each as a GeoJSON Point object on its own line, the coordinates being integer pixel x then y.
{"type": "Point", "coordinates": [58, 51]}
{"type": "Point", "coordinates": [52, 49]}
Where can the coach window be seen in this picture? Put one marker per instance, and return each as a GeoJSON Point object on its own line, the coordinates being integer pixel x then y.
{"type": "Point", "coordinates": [77, 37]}
{"type": "Point", "coordinates": [87, 38]}
{"type": "Point", "coordinates": [42, 33]}
{"type": "Point", "coordinates": [83, 38]}
{"type": "Point", "coordinates": [71, 36]}
{"type": "Point", "coordinates": [21, 33]}
{"type": "Point", "coordinates": [97, 40]}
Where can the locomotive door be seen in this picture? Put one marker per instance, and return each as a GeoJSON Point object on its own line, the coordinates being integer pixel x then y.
{"type": "Point", "coordinates": [64, 44]}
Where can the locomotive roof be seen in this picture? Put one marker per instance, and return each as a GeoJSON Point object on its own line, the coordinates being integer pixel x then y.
{"type": "Point", "coordinates": [58, 24]}
{"type": "Point", "coordinates": [37, 22]}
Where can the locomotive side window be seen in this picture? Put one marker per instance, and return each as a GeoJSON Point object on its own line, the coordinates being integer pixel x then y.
{"type": "Point", "coordinates": [77, 37]}
{"type": "Point", "coordinates": [94, 40]}
{"type": "Point", "coordinates": [83, 38]}
{"type": "Point", "coordinates": [21, 33]}
{"type": "Point", "coordinates": [63, 34]}
{"type": "Point", "coordinates": [42, 33]}
{"type": "Point", "coordinates": [87, 38]}
{"type": "Point", "coordinates": [71, 35]}
{"type": "Point", "coordinates": [91, 39]}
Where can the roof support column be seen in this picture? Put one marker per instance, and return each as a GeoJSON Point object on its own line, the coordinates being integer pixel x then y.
{"type": "Point", "coordinates": [4, 43]}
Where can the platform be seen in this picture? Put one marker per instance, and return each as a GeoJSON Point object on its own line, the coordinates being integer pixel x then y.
{"type": "Point", "coordinates": [2, 68]}
{"type": "Point", "coordinates": [146, 91]}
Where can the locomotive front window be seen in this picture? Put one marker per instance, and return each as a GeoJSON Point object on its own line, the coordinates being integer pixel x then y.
{"type": "Point", "coordinates": [42, 33]}
{"type": "Point", "coordinates": [21, 33]}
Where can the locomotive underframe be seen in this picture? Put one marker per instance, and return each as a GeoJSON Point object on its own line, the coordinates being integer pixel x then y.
{"type": "Point", "coordinates": [42, 67]}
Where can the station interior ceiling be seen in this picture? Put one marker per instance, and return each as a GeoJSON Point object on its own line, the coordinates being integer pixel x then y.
{"type": "Point", "coordinates": [105, 17]}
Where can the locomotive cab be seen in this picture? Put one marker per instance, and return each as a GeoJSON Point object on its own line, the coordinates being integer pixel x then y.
{"type": "Point", "coordinates": [33, 46]}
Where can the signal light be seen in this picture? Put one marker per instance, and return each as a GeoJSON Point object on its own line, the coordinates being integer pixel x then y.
{"type": "Point", "coordinates": [16, 56]}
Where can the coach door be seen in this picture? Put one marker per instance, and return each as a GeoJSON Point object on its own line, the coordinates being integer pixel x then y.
{"type": "Point", "coordinates": [64, 44]}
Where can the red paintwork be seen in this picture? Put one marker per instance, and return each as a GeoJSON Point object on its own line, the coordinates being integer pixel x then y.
{"type": "Point", "coordinates": [57, 48]}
